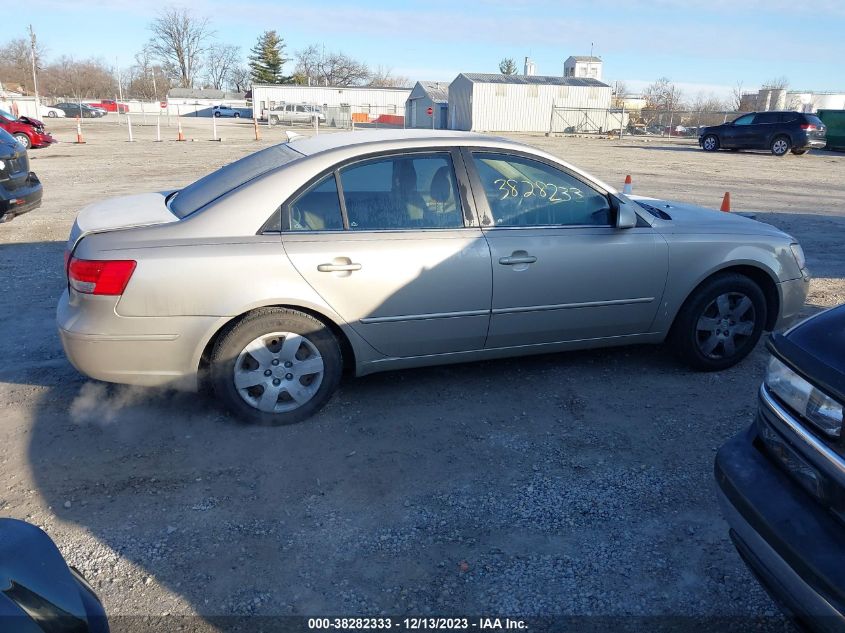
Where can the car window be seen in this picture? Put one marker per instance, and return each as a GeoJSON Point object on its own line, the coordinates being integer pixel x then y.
{"type": "Point", "coordinates": [788, 117]}
{"type": "Point", "coordinates": [813, 120]}
{"type": "Point", "coordinates": [402, 192]}
{"type": "Point", "coordinates": [767, 117]}
{"type": "Point", "coordinates": [316, 209]}
{"type": "Point", "coordinates": [6, 115]}
{"type": "Point", "coordinates": [744, 120]}
{"type": "Point", "coordinates": [525, 192]}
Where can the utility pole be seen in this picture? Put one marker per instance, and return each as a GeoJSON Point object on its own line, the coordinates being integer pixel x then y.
{"type": "Point", "coordinates": [34, 73]}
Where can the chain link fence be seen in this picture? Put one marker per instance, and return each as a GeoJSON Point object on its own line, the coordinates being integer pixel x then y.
{"type": "Point", "coordinates": [618, 121]}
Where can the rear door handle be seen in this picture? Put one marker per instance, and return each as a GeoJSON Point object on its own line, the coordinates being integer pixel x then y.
{"type": "Point", "coordinates": [338, 268]}
{"type": "Point", "coordinates": [513, 260]}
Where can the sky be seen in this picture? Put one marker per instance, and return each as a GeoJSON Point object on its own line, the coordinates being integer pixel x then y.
{"type": "Point", "coordinates": [704, 46]}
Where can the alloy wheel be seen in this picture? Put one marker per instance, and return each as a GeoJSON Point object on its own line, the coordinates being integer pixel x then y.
{"type": "Point", "coordinates": [726, 323]}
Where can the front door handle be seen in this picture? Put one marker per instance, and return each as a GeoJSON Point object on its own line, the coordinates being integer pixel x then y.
{"type": "Point", "coordinates": [515, 259]}
{"type": "Point", "coordinates": [338, 268]}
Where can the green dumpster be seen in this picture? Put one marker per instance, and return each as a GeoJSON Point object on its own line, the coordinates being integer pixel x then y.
{"type": "Point", "coordinates": [834, 121]}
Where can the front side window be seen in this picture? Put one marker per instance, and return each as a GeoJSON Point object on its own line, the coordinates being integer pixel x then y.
{"type": "Point", "coordinates": [744, 120]}
{"type": "Point", "coordinates": [525, 192]}
{"type": "Point", "coordinates": [412, 191]}
{"type": "Point", "coordinates": [316, 209]}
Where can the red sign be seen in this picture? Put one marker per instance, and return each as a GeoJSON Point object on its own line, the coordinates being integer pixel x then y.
{"type": "Point", "coordinates": [163, 104]}
{"type": "Point", "coordinates": [429, 111]}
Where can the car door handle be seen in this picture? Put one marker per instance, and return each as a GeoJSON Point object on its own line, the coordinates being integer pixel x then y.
{"type": "Point", "coordinates": [338, 268]}
{"type": "Point", "coordinates": [517, 259]}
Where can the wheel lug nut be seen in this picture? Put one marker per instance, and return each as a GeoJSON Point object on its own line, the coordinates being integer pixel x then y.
{"type": "Point", "coordinates": [289, 376]}
{"type": "Point", "coordinates": [267, 372]}
{"type": "Point", "coordinates": [275, 361]}
{"type": "Point", "coordinates": [288, 364]}
{"type": "Point", "coordinates": [276, 382]}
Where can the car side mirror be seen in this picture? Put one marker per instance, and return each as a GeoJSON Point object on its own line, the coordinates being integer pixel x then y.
{"type": "Point", "coordinates": [626, 217]}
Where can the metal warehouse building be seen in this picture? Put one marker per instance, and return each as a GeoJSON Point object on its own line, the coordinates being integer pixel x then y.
{"type": "Point", "coordinates": [357, 99]}
{"type": "Point", "coordinates": [425, 95]}
{"type": "Point", "coordinates": [518, 103]}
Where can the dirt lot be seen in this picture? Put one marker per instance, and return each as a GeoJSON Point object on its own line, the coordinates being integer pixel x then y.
{"type": "Point", "coordinates": [572, 484]}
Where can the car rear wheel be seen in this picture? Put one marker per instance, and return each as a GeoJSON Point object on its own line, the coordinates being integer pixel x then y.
{"type": "Point", "coordinates": [720, 323]}
{"type": "Point", "coordinates": [51, 114]}
{"type": "Point", "coordinates": [237, 115]}
{"type": "Point", "coordinates": [276, 366]}
{"type": "Point", "coordinates": [710, 143]}
{"type": "Point", "coordinates": [23, 139]}
{"type": "Point", "coordinates": [217, 114]}
{"type": "Point", "coordinates": [799, 152]}
{"type": "Point", "coordinates": [780, 146]}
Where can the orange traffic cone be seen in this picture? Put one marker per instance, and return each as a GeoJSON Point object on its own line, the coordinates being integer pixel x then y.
{"type": "Point", "coordinates": [726, 203]}
{"type": "Point", "coordinates": [629, 187]}
{"type": "Point", "coordinates": [180, 135]}
{"type": "Point", "coordinates": [79, 139]}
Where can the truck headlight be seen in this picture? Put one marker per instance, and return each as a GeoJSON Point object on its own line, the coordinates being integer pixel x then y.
{"type": "Point", "coordinates": [813, 405]}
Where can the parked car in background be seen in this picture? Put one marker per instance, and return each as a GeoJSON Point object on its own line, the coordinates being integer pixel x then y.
{"type": "Point", "coordinates": [109, 105]}
{"type": "Point", "coordinates": [20, 189]}
{"type": "Point", "coordinates": [380, 250]}
{"type": "Point", "coordinates": [779, 132]}
{"type": "Point", "coordinates": [224, 110]}
{"type": "Point", "coordinates": [29, 132]}
{"type": "Point", "coordinates": [295, 113]}
{"type": "Point", "coordinates": [48, 111]}
{"type": "Point", "coordinates": [80, 110]}
{"type": "Point", "coordinates": [782, 482]}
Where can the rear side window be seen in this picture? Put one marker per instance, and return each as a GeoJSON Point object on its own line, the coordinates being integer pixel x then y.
{"type": "Point", "coordinates": [415, 191]}
{"type": "Point", "coordinates": [767, 117]}
{"type": "Point", "coordinates": [789, 117]}
{"type": "Point", "coordinates": [316, 209]}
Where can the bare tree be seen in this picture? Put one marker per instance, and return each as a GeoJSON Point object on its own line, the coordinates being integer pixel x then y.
{"type": "Point", "coordinates": [239, 77]}
{"type": "Point", "coordinates": [145, 79]}
{"type": "Point", "coordinates": [663, 95]}
{"type": "Point", "coordinates": [383, 77]}
{"type": "Point", "coordinates": [329, 69]}
{"type": "Point", "coordinates": [219, 62]}
{"type": "Point", "coordinates": [620, 91]}
{"type": "Point", "coordinates": [16, 62]}
{"type": "Point", "coordinates": [707, 102]}
{"type": "Point", "coordinates": [78, 79]}
{"type": "Point", "coordinates": [735, 102]}
{"type": "Point", "coordinates": [776, 83]}
{"type": "Point", "coordinates": [179, 41]}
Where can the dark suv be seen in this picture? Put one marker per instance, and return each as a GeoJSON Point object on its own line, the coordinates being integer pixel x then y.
{"type": "Point", "coordinates": [20, 189]}
{"type": "Point", "coordinates": [779, 132]}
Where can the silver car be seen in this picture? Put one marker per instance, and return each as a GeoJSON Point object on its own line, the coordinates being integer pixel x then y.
{"type": "Point", "coordinates": [370, 251]}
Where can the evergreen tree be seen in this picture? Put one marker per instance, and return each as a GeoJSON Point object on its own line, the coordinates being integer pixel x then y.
{"type": "Point", "coordinates": [267, 59]}
{"type": "Point", "coordinates": [507, 66]}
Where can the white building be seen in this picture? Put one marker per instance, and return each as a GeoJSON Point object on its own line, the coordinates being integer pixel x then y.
{"type": "Point", "coordinates": [767, 99]}
{"type": "Point", "coordinates": [425, 95]}
{"type": "Point", "coordinates": [585, 66]}
{"type": "Point", "coordinates": [373, 102]}
{"type": "Point", "coordinates": [513, 103]}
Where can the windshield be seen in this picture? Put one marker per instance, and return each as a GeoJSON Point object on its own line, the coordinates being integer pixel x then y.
{"type": "Point", "coordinates": [6, 115]}
{"type": "Point", "coordinates": [210, 187]}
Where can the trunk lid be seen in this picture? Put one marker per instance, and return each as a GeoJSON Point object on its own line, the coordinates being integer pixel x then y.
{"type": "Point", "coordinates": [125, 212]}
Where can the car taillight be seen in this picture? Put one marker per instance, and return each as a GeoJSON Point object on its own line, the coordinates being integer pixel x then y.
{"type": "Point", "coordinates": [808, 126]}
{"type": "Point", "coordinates": [100, 277]}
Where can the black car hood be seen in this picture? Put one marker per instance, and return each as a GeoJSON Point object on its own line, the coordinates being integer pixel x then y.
{"type": "Point", "coordinates": [816, 347]}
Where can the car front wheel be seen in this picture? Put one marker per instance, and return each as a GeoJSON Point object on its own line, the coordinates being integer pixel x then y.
{"type": "Point", "coordinates": [51, 114]}
{"type": "Point", "coordinates": [710, 143]}
{"type": "Point", "coordinates": [720, 323]}
{"type": "Point", "coordinates": [780, 146]}
{"type": "Point", "coordinates": [23, 139]}
{"type": "Point", "coordinates": [217, 114]}
{"type": "Point", "coordinates": [237, 115]}
{"type": "Point", "coordinates": [276, 366]}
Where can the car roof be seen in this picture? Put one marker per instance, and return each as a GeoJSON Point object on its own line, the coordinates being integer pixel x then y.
{"type": "Point", "coordinates": [387, 138]}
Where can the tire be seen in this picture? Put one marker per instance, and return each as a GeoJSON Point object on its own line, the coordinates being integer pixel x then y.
{"type": "Point", "coordinates": [781, 145]}
{"type": "Point", "coordinates": [726, 303]}
{"type": "Point", "coordinates": [237, 115]}
{"type": "Point", "coordinates": [274, 120]}
{"type": "Point", "coordinates": [799, 152]}
{"type": "Point", "coordinates": [51, 114]}
{"type": "Point", "coordinates": [254, 346]}
{"type": "Point", "coordinates": [23, 139]}
{"type": "Point", "coordinates": [710, 143]}
{"type": "Point", "coordinates": [217, 115]}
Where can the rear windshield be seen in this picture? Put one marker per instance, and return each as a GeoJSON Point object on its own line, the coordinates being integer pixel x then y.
{"type": "Point", "coordinates": [812, 119]}
{"type": "Point", "coordinates": [210, 187]}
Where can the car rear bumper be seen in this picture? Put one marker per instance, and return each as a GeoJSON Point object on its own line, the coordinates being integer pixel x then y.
{"type": "Point", "coordinates": [785, 538]}
{"type": "Point", "coordinates": [149, 351]}
{"type": "Point", "coordinates": [21, 199]}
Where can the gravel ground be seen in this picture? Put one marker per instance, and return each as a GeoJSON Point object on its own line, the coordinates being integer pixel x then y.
{"type": "Point", "coordinates": [575, 484]}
